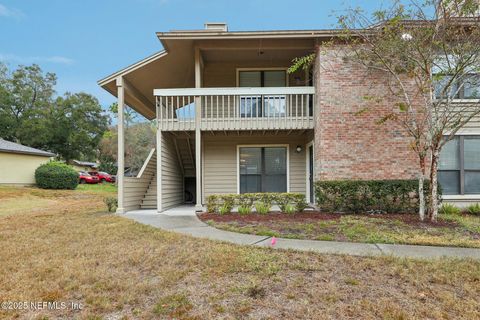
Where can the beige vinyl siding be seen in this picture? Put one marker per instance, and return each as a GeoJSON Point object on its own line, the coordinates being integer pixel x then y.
{"type": "Point", "coordinates": [474, 123]}
{"type": "Point", "coordinates": [19, 169]}
{"type": "Point", "coordinates": [221, 168]}
{"type": "Point", "coordinates": [224, 74]}
{"type": "Point", "coordinates": [136, 187]}
{"type": "Point", "coordinates": [172, 179]}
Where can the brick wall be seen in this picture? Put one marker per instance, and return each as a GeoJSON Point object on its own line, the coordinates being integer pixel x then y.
{"type": "Point", "coordinates": [350, 144]}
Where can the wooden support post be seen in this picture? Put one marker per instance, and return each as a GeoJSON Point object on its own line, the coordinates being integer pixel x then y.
{"type": "Point", "coordinates": [198, 134]}
{"type": "Point", "coordinates": [159, 169]}
{"type": "Point", "coordinates": [121, 145]}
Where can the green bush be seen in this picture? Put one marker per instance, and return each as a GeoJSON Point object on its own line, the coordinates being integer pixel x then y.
{"type": "Point", "coordinates": [56, 175]}
{"type": "Point", "coordinates": [224, 209]}
{"type": "Point", "coordinates": [474, 209]}
{"type": "Point", "coordinates": [245, 209]}
{"type": "Point", "coordinates": [212, 203]}
{"type": "Point", "coordinates": [262, 208]}
{"type": "Point", "coordinates": [449, 209]}
{"type": "Point", "coordinates": [111, 203]}
{"type": "Point", "coordinates": [354, 196]}
{"type": "Point", "coordinates": [289, 209]}
{"type": "Point", "coordinates": [262, 201]}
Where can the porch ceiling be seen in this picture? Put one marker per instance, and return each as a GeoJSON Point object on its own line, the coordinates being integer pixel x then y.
{"type": "Point", "coordinates": [172, 69]}
{"type": "Point", "coordinates": [175, 67]}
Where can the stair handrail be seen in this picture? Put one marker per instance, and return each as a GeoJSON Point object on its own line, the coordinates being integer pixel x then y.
{"type": "Point", "coordinates": [145, 164]}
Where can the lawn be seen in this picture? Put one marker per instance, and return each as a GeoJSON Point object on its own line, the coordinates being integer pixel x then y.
{"type": "Point", "coordinates": [68, 249]}
{"type": "Point", "coordinates": [451, 230]}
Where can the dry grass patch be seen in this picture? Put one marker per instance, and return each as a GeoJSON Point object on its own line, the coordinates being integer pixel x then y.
{"type": "Point", "coordinates": [121, 269]}
{"type": "Point", "coordinates": [451, 230]}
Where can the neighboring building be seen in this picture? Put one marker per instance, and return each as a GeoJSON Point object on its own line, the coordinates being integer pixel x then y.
{"type": "Point", "coordinates": [84, 165]}
{"type": "Point", "coordinates": [232, 120]}
{"type": "Point", "coordinates": [18, 163]}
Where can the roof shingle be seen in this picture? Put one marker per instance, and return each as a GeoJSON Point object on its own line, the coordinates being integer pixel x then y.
{"type": "Point", "coordinates": [12, 147]}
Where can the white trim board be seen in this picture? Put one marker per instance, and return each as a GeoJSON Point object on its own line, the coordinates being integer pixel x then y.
{"type": "Point", "coordinates": [307, 168]}
{"type": "Point", "coordinates": [180, 92]}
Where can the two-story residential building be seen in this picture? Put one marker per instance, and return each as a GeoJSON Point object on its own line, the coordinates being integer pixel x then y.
{"type": "Point", "coordinates": [231, 119]}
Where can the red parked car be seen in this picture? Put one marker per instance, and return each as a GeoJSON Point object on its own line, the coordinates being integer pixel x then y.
{"type": "Point", "coordinates": [102, 176]}
{"type": "Point", "coordinates": [87, 178]}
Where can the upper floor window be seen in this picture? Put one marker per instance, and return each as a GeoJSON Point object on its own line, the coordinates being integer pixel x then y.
{"type": "Point", "coordinates": [262, 106]}
{"type": "Point", "coordinates": [466, 88]}
{"type": "Point", "coordinates": [262, 78]}
{"type": "Point", "coordinates": [459, 166]}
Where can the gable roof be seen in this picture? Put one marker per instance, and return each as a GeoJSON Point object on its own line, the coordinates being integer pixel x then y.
{"type": "Point", "coordinates": [85, 163]}
{"type": "Point", "coordinates": [12, 147]}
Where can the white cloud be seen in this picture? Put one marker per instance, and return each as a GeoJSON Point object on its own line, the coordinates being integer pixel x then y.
{"type": "Point", "coordinates": [36, 59]}
{"type": "Point", "coordinates": [10, 12]}
{"type": "Point", "coordinates": [59, 59]}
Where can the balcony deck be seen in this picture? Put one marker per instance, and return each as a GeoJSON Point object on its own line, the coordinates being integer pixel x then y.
{"type": "Point", "coordinates": [274, 108]}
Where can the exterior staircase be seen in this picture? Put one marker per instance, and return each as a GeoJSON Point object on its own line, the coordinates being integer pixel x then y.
{"type": "Point", "coordinates": [149, 200]}
{"type": "Point", "coordinates": [186, 156]}
{"type": "Point", "coordinates": [186, 152]}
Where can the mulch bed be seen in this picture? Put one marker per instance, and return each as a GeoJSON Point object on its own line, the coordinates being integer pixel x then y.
{"type": "Point", "coordinates": [313, 216]}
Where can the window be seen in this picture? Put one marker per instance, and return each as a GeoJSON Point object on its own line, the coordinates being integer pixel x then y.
{"type": "Point", "coordinates": [459, 166]}
{"type": "Point", "coordinates": [263, 169]}
{"type": "Point", "coordinates": [262, 106]}
{"type": "Point", "coordinates": [469, 90]}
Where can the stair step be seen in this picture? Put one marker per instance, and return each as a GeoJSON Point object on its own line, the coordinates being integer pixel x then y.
{"type": "Point", "coordinates": [148, 207]}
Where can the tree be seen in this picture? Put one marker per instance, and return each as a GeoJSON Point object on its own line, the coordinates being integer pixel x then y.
{"type": "Point", "coordinates": [139, 138]}
{"type": "Point", "coordinates": [430, 53]}
{"type": "Point", "coordinates": [31, 114]}
{"type": "Point", "coordinates": [77, 125]}
{"type": "Point", "coordinates": [24, 96]}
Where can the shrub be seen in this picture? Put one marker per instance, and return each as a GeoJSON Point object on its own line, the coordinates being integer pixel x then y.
{"type": "Point", "coordinates": [224, 209]}
{"type": "Point", "coordinates": [111, 203]}
{"type": "Point", "coordinates": [56, 175]}
{"type": "Point", "coordinates": [289, 209]}
{"type": "Point", "coordinates": [354, 196]}
{"type": "Point", "coordinates": [449, 209]}
{"type": "Point", "coordinates": [243, 210]}
{"type": "Point", "coordinates": [299, 202]}
{"type": "Point", "coordinates": [263, 202]}
{"type": "Point", "coordinates": [262, 208]}
{"type": "Point", "coordinates": [228, 202]}
{"type": "Point", "coordinates": [474, 209]}
{"type": "Point", "coordinates": [245, 203]}
{"type": "Point", "coordinates": [282, 201]}
{"type": "Point", "coordinates": [212, 205]}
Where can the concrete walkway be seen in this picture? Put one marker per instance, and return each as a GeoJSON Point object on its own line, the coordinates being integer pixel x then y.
{"type": "Point", "coordinates": [184, 220]}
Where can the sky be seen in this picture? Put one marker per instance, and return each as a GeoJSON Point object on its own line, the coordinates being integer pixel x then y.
{"type": "Point", "coordinates": [83, 41]}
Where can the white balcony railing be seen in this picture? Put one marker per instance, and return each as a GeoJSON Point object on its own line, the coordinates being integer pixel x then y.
{"type": "Point", "coordinates": [235, 108]}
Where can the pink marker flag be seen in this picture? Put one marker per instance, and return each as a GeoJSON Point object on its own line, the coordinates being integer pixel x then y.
{"type": "Point", "coordinates": [274, 241]}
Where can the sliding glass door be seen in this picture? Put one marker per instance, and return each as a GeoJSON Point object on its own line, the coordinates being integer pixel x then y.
{"type": "Point", "coordinates": [262, 106]}
{"type": "Point", "coordinates": [263, 169]}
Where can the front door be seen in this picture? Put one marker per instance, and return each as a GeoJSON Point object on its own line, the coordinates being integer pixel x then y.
{"type": "Point", "coordinates": [310, 173]}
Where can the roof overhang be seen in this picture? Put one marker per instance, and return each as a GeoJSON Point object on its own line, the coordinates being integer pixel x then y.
{"type": "Point", "coordinates": [29, 153]}
{"type": "Point", "coordinates": [174, 67]}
